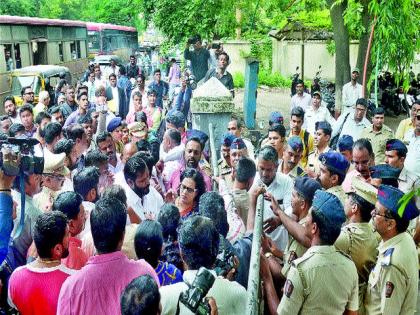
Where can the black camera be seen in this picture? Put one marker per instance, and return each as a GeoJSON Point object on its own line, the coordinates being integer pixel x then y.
{"type": "Point", "coordinates": [17, 156]}
{"type": "Point", "coordinates": [194, 297]}
{"type": "Point", "coordinates": [190, 79]}
{"type": "Point", "coordinates": [225, 259]}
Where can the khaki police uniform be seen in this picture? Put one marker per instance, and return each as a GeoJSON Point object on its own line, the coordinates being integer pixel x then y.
{"type": "Point", "coordinates": [378, 140]}
{"type": "Point", "coordinates": [323, 281]}
{"type": "Point", "coordinates": [223, 167]}
{"type": "Point", "coordinates": [313, 159]}
{"type": "Point", "coordinates": [359, 242]}
{"type": "Point", "coordinates": [293, 251]}
{"type": "Point", "coordinates": [339, 193]}
{"type": "Point", "coordinates": [393, 283]}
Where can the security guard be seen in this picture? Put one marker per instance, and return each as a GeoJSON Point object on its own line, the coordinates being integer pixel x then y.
{"type": "Point", "coordinates": [333, 169]}
{"type": "Point", "coordinates": [357, 239]}
{"type": "Point", "coordinates": [324, 280]}
{"type": "Point", "coordinates": [393, 283]}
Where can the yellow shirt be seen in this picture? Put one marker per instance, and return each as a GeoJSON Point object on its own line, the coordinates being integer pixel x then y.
{"type": "Point", "coordinates": [404, 126]}
{"type": "Point", "coordinates": [306, 148]}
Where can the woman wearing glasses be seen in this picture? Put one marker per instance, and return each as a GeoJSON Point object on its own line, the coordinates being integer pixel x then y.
{"type": "Point", "coordinates": [191, 188]}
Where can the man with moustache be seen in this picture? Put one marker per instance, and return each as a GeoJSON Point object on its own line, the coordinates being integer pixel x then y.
{"type": "Point", "coordinates": [192, 156]}
{"type": "Point", "coordinates": [292, 155]}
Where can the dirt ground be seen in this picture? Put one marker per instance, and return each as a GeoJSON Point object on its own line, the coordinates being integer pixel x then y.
{"type": "Point", "coordinates": [269, 100]}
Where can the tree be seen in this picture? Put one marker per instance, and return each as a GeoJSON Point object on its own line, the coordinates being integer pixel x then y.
{"type": "Point", "coordinates": [342, 48]}
{"type": "Point", "coordinates": [396, 35]}
{"type": "Point", "coordinates": [17, 7]}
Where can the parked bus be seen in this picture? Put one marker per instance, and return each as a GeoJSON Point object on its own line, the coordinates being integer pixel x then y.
{"type": "Point", "coordinates": [27, 41]}
{"type": "Point", "coordinates": [110, 39]}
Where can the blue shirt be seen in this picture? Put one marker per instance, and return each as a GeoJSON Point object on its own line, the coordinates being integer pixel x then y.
{"type": "Point", "coordinates": [183, 101]}
{"type": "Point", "coordinates": [168, 273]}
{"type": "Point", "coordinates": [162, 89]}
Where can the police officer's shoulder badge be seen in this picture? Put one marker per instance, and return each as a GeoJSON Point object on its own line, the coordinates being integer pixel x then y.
{"type": "Point", "coordinates": [288, 288]}
{"type": "Point", "coordinates": [389, 289]}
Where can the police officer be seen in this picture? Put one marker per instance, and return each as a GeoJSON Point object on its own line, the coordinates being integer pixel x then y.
{"type": "Point", "coordinates": [324, 280]}
{"type": "Point", "coordinates": [378, 134]}
{"type": "Point", "coordinates": [321, 145]}
{"type": "Point", "coordinates": [393, 283]}
{"type": "Point", "coordinates": [223, 164]}
{"type": "Point", "coordinates": [333, 169]}
{"type": "Point", "coordinates": [357, 239]}
{"type": "Point", "coordinates": [302, 196]}
{"type": "Point", "coordinates": [384, 174]}
{"type": "Point", "coordinates": [291, 158]}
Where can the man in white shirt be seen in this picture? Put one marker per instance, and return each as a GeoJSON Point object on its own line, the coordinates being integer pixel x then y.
{"type": "Point", "coordinates": [352, 91]}
{"type": "Point", "coordinates": [90, 84]}
{"type": "Point", "coordinates": [171, 153]}
{"type": "Point", "coordinates": [301, 98]}
{"type": "Point", "coordinates": [279, 185]}
{"type": "Point", "coordinates": [141, 196]}
{"type": "Point", "coordinates": [111, 69]}
{"type": "Point", "coordinates": [352, 123]}
{"type": "Point", "coordinates": [316, 112]}
{"type": "Point", "coordinates": [106, 145]}
{"type": "Point", "coordinates": [116, 97]}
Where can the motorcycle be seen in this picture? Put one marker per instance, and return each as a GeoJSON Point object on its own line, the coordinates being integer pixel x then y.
{"type": "Point", "coordinates": [390, 99]}
{"type": "Point", "coordinates": [295, 79]}
{"type": "Point", "coordinates": [327, 90]}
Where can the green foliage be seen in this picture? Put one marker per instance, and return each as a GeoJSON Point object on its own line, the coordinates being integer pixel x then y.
{"type": "Point", "coordinates": [238, 80]}
{"type": "Point", "coordinates": [265, 77]}
{"type": "Point", "coordinates": [331, 47]}
{"type": "Point", "coordinates": [17, 7]}
{"type": "Point", "coordinates": [397, 28]}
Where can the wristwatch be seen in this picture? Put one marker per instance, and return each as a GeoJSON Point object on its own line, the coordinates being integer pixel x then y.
{"type": "Point", "coordinates": [268, 255]}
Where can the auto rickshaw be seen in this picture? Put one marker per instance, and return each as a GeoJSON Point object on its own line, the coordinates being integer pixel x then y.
{"type": "Point", "coordinates": [40, 78]}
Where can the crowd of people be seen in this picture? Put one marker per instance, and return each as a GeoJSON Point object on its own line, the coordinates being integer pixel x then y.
{"type": "Point", "coordinates": [128, 208]}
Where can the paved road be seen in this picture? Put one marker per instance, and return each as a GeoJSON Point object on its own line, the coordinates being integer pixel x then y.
{"type": "Point", "coordinates": [269, 100]}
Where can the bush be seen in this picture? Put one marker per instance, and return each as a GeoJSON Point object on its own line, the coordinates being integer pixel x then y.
{"type": "Point", "coordinates": [267, 78]}
{"type": "Point", "coordinates": [238, 80]}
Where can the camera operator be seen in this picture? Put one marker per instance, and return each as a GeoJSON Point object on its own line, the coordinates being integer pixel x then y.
{"type": "Point", "coordinates": [20, 244]}
{"type": "Point", "coordinates": [199, 244]}
{"type": "Point", "coordinates": [199, 57]}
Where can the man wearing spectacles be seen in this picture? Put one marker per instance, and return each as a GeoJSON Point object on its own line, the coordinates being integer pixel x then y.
{"type": "Point", "coordinates": [28, 95]}
{"type": "Point", "coordinates": [393, 282]}
{"type": "Point", "coordinates": [53, 179]}
{"type": "Point", "coordinates": [352, 123]}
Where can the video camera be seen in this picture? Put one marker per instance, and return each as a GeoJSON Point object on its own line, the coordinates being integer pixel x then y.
{"type": "Point", "coordinates": [17, 156]}
{"type": "Point", "coordinates": [194, 297]}
{"type": "Point", "coordinates": [224, 260]}
{"type": "Point", "coordinates": [190, 79]}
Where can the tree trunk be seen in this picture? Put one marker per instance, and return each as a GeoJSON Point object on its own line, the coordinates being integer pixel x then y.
{"type": "Point", "coordinates": [363, 44]}
{"type": "Point", "coordinates": [342, 50]}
